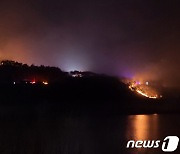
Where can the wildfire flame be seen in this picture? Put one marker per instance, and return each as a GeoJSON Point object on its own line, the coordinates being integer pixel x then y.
{"type": "Point", "coordinates": [140, 92]}
{"type": "Point", "coordinates": [143, 89]}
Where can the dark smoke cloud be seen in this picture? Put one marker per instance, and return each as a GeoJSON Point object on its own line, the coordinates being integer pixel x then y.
{"type": "Point", "coordinates": [130, 38]}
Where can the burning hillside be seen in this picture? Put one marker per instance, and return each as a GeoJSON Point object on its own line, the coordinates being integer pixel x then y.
{"type": "Point", "coordinates": [143, 88]}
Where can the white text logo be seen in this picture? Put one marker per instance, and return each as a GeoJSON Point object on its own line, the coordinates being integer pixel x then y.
{"type": "Point", "coordinates": [169, 144]}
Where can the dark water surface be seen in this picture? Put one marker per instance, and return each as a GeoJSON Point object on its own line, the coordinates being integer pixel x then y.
{"type": "Point", "coordinates": [85, 134]}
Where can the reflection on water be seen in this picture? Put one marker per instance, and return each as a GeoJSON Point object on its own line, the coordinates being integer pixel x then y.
{"type": "Point", "coordinates": [142, 127]}
{"type": "Point", "coordinates": [84, 134]}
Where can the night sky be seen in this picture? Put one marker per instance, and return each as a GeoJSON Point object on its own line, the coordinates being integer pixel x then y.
{"type": "Point", "coordinates": [130, 38]}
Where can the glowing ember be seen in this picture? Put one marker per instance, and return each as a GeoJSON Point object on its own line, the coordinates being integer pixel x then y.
{"type": "Point", "coordinates": [33, 82]}
{"type": "Point", "coordinates": [45, 82]}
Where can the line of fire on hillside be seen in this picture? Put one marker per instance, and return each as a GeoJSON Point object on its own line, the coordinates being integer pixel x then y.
{"type": "Point", "coordinates": [143, 88]}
